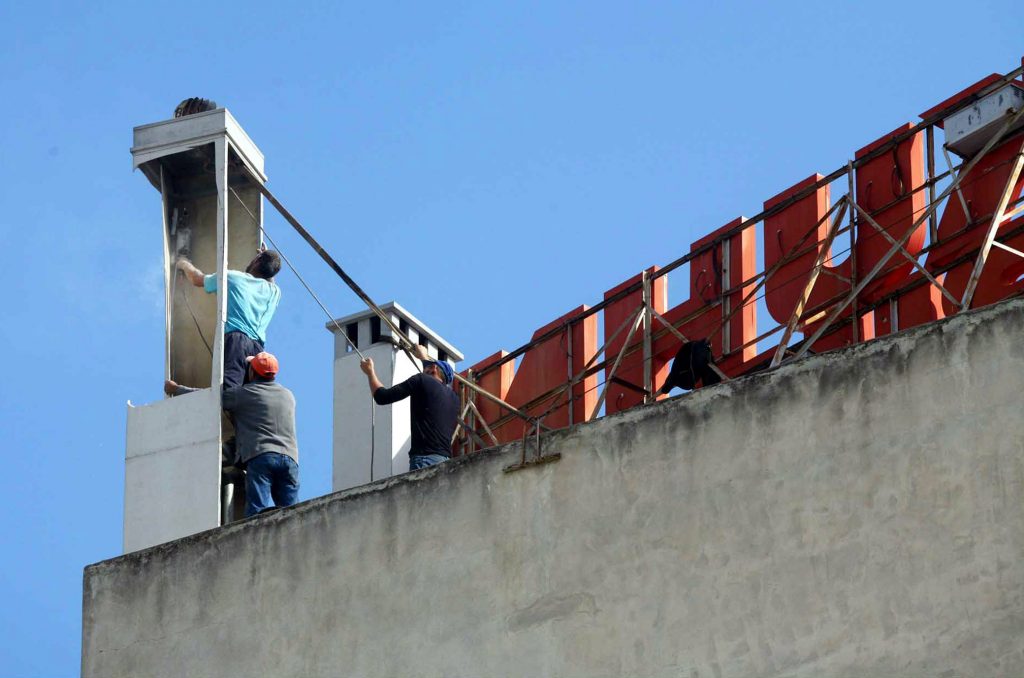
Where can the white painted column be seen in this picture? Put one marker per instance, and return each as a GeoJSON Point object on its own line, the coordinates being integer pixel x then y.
{"type": "Point", "coordinates": [381, 443]}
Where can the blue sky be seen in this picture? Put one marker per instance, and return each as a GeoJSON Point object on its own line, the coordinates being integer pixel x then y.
{"type": "Point", "coordinates": [489, 166]}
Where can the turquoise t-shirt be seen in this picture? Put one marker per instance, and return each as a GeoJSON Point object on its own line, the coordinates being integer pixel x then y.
{"type": "Point", "coordinates": [251, 303]}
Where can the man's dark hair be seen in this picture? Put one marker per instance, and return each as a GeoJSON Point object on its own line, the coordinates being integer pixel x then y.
{"type": "Point", "coordinates": [266, 265]}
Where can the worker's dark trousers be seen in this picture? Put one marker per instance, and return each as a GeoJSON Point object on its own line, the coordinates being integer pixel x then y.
{"type": "Point", "coordinates": [237, 347]}
{"type": "Point", "coordinates": [271, 479]}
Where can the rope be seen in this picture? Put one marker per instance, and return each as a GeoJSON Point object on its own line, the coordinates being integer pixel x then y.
{"type": "Point", "coordinates": [192, 313]}
{"type": "Point", "coordinates": [330, 316]}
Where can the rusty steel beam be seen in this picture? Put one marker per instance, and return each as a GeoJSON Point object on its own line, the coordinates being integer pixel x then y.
{"type": "Point", "coordinates": [819, 261]}
{"type": "Point", "coordinates": [907, 255]}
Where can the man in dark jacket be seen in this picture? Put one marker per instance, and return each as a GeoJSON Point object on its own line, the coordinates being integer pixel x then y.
{"type": "Point", "coordinates": [264, 417]}
{"type": "Point", "coordinates": [434, 408]}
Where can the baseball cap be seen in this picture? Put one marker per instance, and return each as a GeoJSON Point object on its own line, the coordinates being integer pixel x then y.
{"type": "Point", "coordinates": [264, 364]}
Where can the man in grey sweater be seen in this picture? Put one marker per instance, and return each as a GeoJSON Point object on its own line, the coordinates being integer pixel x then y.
{"type": "Point", "coordinates": [264, 416]}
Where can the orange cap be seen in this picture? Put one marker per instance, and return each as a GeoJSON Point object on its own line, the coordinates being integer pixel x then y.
{"type": "Point", "coordinates": [264, 364]}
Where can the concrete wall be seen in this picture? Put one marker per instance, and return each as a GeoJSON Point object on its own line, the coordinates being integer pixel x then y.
{"type": "Point", "coordinates": [172, 469]}
{"type": "Point", "coordinates": [857, 513]}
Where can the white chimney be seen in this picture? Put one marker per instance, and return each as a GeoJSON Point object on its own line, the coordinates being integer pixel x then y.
{"type": "Point", "coordinates": [205, 168]}
{"type": "Point", "coordinates": [386, 452]}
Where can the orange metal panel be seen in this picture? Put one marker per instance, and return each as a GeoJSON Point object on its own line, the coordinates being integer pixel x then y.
{"type": "Point", "coordinates": [885, 189]}
{"type": "Point", "coordinates": [545, 366]}
{"type": "Point", "coordinates": [742, 261]}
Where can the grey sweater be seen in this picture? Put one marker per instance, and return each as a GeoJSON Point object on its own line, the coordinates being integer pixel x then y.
{"type": "Point", "coordinates": [264, 414]}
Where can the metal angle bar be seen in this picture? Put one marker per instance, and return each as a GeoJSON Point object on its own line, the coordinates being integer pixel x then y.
{"type": "Point", "coordinates": [959, 193]}
{"type": "Point", "coordinates": [996, 243]}
{"type": "Point", "coordinates": [220, 155]}
{"type": "Point", "coordinates": [993, 228]}
{"type": "Point", "coordinates": [726, 300]}
{"type": "Point", "coordinates": [648, 377]}
{"type": "Point", "coordinates": [295, 272]}
{"type": "Point", "coordinates": [853, 241]}
{"type": "Point", "coordinates": [615, 365]}
{"type": "Point", "coordinates": [819, 261]}
{"type": "Point", "coordinates": [833, 274]}
{"type": "Point", "coordinates": [909, 257]}
{"type": "Point", "coordinates": [933, 223]}
{"type": "Point", "coordinates": [471, 433]}
{"type": "Point", "coordinates": [1013, 213]}
{"type": "Point", "coordinates": [483, 422]}
{"type": "Point", "coordinates": [467, 444]}
{"type": "Point", "coordinates": [460, 422]}
{"type": "Point", "coordinates": [170, 276]}
{"type": "Point", "coordinates": [630, 385]}
{"type": "Point", "coordinates": [906, 236]}
{"type": "Point", "coordinates": [568, 368]}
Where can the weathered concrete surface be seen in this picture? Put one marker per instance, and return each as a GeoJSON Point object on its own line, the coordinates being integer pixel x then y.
{"type": "Point", "coordinates": [854, 514]}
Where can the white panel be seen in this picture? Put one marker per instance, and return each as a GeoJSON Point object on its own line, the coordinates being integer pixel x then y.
{"type": "Point", "coordinates": [172, 469]}
{"type": "Point", "coordinates": [179, 134]}
{"type": "Point", "coordinates": [969, 129]}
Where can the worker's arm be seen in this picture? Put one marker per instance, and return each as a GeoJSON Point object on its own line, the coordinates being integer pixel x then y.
{"type": "Point", "coordinates": [366, 365]}
{"type": "Point", "coordinates": [381, 394]}
{"type": "Point", "coordinates": [173, 388]}
{"type": "Point", "coordinates": [229, 398]}
{"type": "Point", "coordinates": [194, 275]}
{"type": "Point", "coordinates": [420, 351]}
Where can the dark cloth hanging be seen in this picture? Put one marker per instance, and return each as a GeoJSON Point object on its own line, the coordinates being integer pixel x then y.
{"type": "Point", "coordinates": [691, 365]}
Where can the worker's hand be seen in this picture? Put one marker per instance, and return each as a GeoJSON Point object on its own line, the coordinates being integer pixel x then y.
{"type": "Point", "coordinates": [170, 387]}
{"type": "Point", "coordinates": [420, 351]}
{"type": "Point", "coordinates": [366, 365]}
{"type": "Point", "coordinates": [182, 263]}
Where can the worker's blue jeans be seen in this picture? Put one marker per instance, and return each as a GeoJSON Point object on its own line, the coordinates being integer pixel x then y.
{"type": "Point", "coordinates": [418, 461]}
{"type": "Point", "coordinates": [271, 479]}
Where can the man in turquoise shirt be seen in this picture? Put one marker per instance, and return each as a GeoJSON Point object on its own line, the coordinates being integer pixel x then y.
{"type": "Point", "coordinates": [252, 299]}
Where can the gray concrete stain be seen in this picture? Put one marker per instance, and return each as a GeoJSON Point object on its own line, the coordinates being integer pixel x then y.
{"type": "Point", "coordinates": [552, 607]}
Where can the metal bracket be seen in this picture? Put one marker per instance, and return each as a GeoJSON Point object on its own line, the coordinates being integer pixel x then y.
{"type": "Point", "coordinates": [539, 458]}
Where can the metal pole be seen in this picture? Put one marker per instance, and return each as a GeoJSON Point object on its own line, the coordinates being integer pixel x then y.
{"type": "Point", "coordinates": [853, 249]}
{"type": "Point", "coordinates": [648, 378]}
{"type": "Point", "coordinates": [819, 261]}
{"type": "Point", "coordinates": [933, 220]}
{"type": "Point", "coordinates": [568, 367]}
{"type": "Point", "coordinates": [608, 379]}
